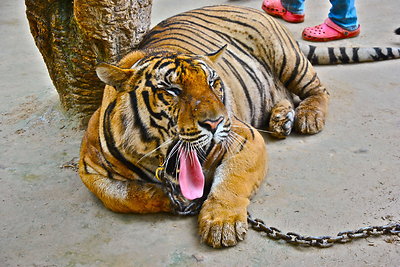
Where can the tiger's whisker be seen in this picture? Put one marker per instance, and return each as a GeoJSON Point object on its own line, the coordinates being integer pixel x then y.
{"type": "Point", "coordinates": [173, 151]}
{"type": "Point", "coordinates": [167, 142]}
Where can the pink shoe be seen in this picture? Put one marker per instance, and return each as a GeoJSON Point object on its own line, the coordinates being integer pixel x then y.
{"type": "Point", "coordinates": [275, 8]}
{"type": "Point", "coordinates": [328, 31]}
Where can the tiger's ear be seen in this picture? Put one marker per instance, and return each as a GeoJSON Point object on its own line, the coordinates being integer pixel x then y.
{"type": "Point", "coordinates": [214, 56]}
{"type": "Point", "coordinates": [113, 75]}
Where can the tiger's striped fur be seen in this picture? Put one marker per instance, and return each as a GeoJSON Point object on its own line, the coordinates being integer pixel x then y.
{"type": "Point", "coordinates": [191, 94]}
{"type": "Point", "coordinates": [346, 55]}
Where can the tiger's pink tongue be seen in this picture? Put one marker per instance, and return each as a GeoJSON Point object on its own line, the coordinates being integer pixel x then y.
{"type": "Point", "coordinates": [191, 177]}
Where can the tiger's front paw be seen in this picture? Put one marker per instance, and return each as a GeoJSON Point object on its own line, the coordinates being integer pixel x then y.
{"type": "Point", "coordinates": [222, 226]}
{"type": "Point", "coordinates": [281, 121]}
{"type": "Point", "coordinates": [309, 119]}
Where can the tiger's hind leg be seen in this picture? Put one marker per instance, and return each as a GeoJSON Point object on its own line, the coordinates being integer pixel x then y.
{"type": "Point", "coordinates": [282, 119]}
{"type": "Point", "coordinates": [311, 112]}
{"type": "Point", "coordinates": [296, 74]}
{"type": "Point", "coordinates": [313, 107]}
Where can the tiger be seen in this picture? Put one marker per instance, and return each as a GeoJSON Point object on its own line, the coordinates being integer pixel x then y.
{"type": "Point", "coordinates": [177, 128]}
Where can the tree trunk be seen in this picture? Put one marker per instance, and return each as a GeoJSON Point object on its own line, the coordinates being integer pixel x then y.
{"type": "Point", "coordinates": [74, 35]}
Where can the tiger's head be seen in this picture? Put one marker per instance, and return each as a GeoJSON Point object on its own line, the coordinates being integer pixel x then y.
{"type": "Point", "coordinates": [173, 102]}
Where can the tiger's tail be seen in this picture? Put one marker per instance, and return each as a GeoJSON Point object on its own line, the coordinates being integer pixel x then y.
{"type": "Point", "coordinates": [346, 55]}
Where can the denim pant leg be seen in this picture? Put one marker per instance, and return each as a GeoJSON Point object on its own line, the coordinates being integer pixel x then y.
{"type": "Point", "coordinates": [344, 14]}
{"type": "Point", "coordinates": [294, 6]}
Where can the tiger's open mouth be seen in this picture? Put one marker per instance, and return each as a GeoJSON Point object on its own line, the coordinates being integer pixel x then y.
{"type": "Point", "coordinates": [189, 167]}
{"type": "Point", "coordinates": [184, 167]}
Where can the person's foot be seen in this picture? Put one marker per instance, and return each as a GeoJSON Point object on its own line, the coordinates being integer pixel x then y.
{"type": "Point", "coordinates": [328, 31]}
{"type": "Point", "coordinates": [275, 8]}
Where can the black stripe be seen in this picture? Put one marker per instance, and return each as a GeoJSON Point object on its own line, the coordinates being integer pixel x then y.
{"type": "Point", "coordinates": [191, 133]}
{"type": "Point", "coordinates": [247, 48]}
{"type": "Point", "coordinates": [108, 135]}
{"type": "Point", "coordinates": [295, 71]}
{"type": "Point", "coordinates": [248, 126]}
{"type": "Point", "coordinates": [311, 52]}
{"type": "Point", "coordinates": [182, 23]}
{"type": "Point", "coordinates": [191, 30]}
{"type": "Point", "coordinates": [144, 134]}
{"type": "Point", "coordinates": [149, 36]}
{"type": "Point", "coordinates": [311, 55]}
{"type": "Point", "coordinates": [283, 59]}
{"type": "Point", "coordinates": [305, 71]}
{"type": "Point", "coordinates": [243, 84]}
{"type": "Point", "coordinates": [310, 90]}
{"type": "Point", "coordinates": [161, 130]}
{"type": "Point", "coordinates": [195, 138]}
{"type": "Point", "coordinates": [110, 174]}
{"type": "Point", "coordinates": [172, 46]}
{"type": "Point", "coordinates": [299, 58]}
{"type": "Point", "coordinates": [180, 35]}
{"type": "Point", "coordinates": [85, 166]}
{"type": "Point", "coordinates": [160, 40]}
{"type": "Point", "coordinates": [260, 86]}
{"type": "Point", "coordinates": [301, 92]}
{"type": "Point", "coordinates": [170, 70]}
{"type": "Point", "coordinates": [160, 96]}
{"type": "Point", "coordinates": [161, 63]}
{"type": "Point", "coordinates": [344, 57]}
{"type": "Point", "coordinates": [242, 145]}
{"type": "Point", "coordinates": [208, 151]}
{"type": "Point", "coordinates": [109, 165]}
{"type": "Point", "coordinates": [223, 92]}
{"type": "Point", "coordinates": [225, 19]}
{"type": "Point", "coordinates": [249, 70]}
{"type": "Point", "coordinates": [390, 52]}
{"type": "Point", "coordinates": [380, 55]}
{"type": "Point", "coordinates": [355, 57]}
{"type": "Point", "coordinates": [213, 30]}
{"type": "Point", "coordinates": [332, 56]}
{"type": "Point", "coordinates": [160, 115]}
{"type": "Point", "coordinates": [148, 77]}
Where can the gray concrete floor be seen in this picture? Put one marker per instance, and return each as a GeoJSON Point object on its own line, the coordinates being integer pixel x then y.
{"type": "Point", "coordinates": [341, 179]}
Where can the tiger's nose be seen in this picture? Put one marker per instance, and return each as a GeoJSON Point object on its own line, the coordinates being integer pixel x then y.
{"type": "Point", "coordinates": [211, 125]}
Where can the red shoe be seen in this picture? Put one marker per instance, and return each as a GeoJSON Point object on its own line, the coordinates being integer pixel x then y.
{"type": "Point", "coordinates": [275, 8]}
{"type": "Point", "coordinates": [328, 31]}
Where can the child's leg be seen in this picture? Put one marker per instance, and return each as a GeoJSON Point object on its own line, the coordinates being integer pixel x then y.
{"type": "Point", "coordinates": [344, 14]}
{"type": "Point", "coordinates": [294, 6]}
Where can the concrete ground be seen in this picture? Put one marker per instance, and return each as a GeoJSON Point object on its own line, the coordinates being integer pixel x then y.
{"type": "Point", "coordinates": [341, 179]}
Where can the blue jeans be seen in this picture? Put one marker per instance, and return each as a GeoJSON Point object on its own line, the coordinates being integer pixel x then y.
{"type": "Point", "coordinates": [342, 12]}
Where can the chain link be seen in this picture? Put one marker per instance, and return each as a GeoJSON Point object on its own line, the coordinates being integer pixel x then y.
{"type": "Point", "coordinates": [323, 241]}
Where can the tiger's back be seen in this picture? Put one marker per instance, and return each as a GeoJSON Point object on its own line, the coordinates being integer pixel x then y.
{"type": "Point", "coordinates": [254, 67]}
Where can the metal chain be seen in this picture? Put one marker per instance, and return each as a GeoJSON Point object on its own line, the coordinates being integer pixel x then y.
{"type": "Point", "coordinates": [179, 204]}
{"type": "Point", "coordinates": [323, 241]}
